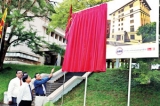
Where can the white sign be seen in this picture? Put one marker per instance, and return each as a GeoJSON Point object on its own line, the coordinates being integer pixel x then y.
{"type": "Point", "coordinates": [125, 19]}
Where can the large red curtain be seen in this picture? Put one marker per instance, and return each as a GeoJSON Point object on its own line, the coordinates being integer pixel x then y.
{"type": "Point", "coordinates": [86, 41]}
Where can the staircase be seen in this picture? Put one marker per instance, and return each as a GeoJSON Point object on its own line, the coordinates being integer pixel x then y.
{"type": "Point", "coordinates": [51, 86]}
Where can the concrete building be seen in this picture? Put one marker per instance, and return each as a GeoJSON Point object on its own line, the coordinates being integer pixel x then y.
{"type": "Point", "coordinates": [127, 19]}
{"type": "Point", "coordinates": [23, 55]}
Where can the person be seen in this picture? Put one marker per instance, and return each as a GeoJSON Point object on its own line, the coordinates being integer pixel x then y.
{"type": "Point", "coordinates": [40, 88]}
{"type": "Point", "coordinates": [25, 97]}
{"type": "Point", "coordinates": [13, 88]}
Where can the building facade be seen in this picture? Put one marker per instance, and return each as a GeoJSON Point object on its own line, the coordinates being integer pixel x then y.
{"type": "Point", "coordinates": [127, 19]}
{"type": "Point", "coordinates": [21, 54]}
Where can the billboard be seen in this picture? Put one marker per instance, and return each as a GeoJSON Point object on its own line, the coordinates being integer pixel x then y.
{"type": "Point", "coordinates": [133, 29]}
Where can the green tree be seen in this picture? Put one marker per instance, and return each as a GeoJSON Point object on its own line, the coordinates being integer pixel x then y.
{"type": "Point", "coordinates": [17, 16]}
{"type": "Point", "coordinates": [146, 75]}
{"type": "Point", "coordinates": [59, 19]}
{"type": "Point", "coordinates": [148, 32]}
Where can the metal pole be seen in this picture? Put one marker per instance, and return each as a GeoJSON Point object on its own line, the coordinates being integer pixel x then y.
{"type": "Point", "coordinates": [129, 82]}
{"type": "Point", "coordinates": [85, 91]}
{"type": "Point", "coordinates": [63, 88]}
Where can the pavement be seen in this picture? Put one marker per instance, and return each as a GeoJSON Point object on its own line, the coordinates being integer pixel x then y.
{"type": "Point", "coordinates": [4, 105]}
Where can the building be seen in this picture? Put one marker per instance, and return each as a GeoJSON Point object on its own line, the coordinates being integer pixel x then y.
{"type": "Point", "coordinates": [108, 27]}
{"type": "Point", "coordinates": [127, 19]}
{"type": "Point", "coordinates": [21, 54]}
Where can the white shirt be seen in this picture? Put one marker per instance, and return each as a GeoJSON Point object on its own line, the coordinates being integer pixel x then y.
{"type": "Point", "coordinates": [24, 93]}
{"type": "Point", "coordinates": [13, 88]}
{"type": "Point", "coordinates": [32, 83]}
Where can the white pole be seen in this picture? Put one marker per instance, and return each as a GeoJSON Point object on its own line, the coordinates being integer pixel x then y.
{"type": "Point", "coordinates": [85, 92]}
{"type": "Point", "coordinates": [129, 82]}
{"type": "Point", "coordinates": [63, 88]}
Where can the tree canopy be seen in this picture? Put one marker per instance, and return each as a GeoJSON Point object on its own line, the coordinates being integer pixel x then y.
{"type": "Point", "coordinates": [59, 19]}
{"type": "Point", "coordinates": [148, 32]}
{"type": "Point", "coordinates": [19, 12]}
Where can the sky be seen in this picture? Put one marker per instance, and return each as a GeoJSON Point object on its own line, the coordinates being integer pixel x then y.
{"type": "Point", "coordinates": [115, 4]}
{"type": "Point", "coordinates": [57, 0]}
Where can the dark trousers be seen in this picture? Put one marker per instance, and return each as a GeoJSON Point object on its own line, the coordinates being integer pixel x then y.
{"type": "Point", "coordinates": [14, 102]}
{"type": "Point", "coordinates": [25, 103]}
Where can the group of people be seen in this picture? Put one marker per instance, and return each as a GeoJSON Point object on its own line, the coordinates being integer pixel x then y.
{"type": "Point", "coordinates": [20, 89]}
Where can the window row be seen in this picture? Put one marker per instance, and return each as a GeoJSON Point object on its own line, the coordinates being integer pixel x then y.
{"type": "Point", "coordinates": [122, 10]}
{"type": "Point", "coordinates": [57, 37]}
{"type": "Point", "coordinates": [119, 36]}
{"type": "Point", "coordinates": [131, 29]}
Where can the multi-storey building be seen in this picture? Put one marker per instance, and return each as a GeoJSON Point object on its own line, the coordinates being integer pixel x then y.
{"type": "Point", "coordinates": [21, 54]}
{"type": "Point", "coordinates": [127, 19]}
{"type": "Point", "coordinates": [108, 28]}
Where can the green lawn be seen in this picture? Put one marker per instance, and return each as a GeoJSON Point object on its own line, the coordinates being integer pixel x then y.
{"type": "Point", "coordinates": [111, 89]}
{"type": "Point", "coordinates": [108, 88]}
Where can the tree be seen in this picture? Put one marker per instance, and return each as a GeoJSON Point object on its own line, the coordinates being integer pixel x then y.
{"type": "Point", "coordinates": [148, 32]}
{"type": "Point", "coordinates": [17, 16]}
{"type": "Point", "coordinates": [59, 19]}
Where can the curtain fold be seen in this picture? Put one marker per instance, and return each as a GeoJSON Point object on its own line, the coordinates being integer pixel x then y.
{"type": "Point", "coordinates": [86, 41]}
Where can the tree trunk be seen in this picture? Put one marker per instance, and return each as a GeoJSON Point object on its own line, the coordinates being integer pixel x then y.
{"type": "Point", "coordinates": [3, 52]}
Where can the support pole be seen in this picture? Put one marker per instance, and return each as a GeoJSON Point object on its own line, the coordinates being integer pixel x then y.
{"type": "Point", "coordinates": [85, 92]}
{"type": "Point", "coordinates": [129, 82]}
{"type": "Point", "coordinates": [63, 88]}
{"type": "Point", "coordinates": [117, 63]}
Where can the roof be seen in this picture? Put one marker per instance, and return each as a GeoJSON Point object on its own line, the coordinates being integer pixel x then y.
{"type": "Point", "coordinates": [60, 31]}
{"type": "Point", "coordinates": [143, 1]}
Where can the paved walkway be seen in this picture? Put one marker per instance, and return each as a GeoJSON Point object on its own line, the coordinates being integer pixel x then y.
{"type": "Point", "coordinates": [4, 105]}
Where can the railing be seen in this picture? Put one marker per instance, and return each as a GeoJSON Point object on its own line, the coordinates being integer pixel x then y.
{"type": "Point", "coordinates": [66, 87]}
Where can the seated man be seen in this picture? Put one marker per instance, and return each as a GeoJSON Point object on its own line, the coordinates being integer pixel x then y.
{"type": "Point", "coordinates": [40, 88]}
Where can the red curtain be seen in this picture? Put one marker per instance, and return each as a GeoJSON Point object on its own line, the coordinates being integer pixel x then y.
{"type": "Point", "coordinates": [86, 41]}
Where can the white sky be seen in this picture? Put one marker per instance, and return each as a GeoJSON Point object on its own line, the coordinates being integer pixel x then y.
{"type": "Point", "coordinates": [115, 4]}
{"type": "Point", "coordinates": [57, 0]}
{"type": "Point", "coordinates": [154, 4]}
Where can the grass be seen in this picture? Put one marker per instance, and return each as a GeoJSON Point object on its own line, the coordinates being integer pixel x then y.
{"type": "Point", "coordinates": [111, 89]}
{"type": "Point", "coordinates": [9, 72]}
{"type": "Point", "coordinates": [108, 88]}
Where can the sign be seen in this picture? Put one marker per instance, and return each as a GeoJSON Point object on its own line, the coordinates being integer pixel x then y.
{"type": "Point", "coordinates": [126, 18]}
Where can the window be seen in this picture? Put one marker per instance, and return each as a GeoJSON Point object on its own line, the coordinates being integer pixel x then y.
{"type": "Point", "coordinates": [113, 14]}
{"type": "Point", "coordinates": [60, 38]}
{"type": "Point", "coordinates": [113, 26]}
{"type": "Point", "coordinates": [112, 36]}
{"type": "Point", "coordinates": [131, 16]}
{"type": "Point", "coordinates": [121, 19]}
{"type": "Point", "coordinates": [131, 21]}
{"type": "Point", "coordinates": [56, 36]}
{"type": "Point", "coordinates": [122, 15]}
{"type": "Point", "coordinates": [132, 37]}
{"type": "Point", "coordinates": [64, 40]}
{"type": "Point", "coordinates": [131, 28]}
{"type": "Point", "coordinates": [131, 5]}
{"type": "Point", "coordinates": [52, 34]}
{"type": "Point", "coordinates": [112, 30]}
{"type": "Point", "coordinates": [121, 28]}
{"type": "Point", "coordinates": [122, 10]}
{"type": "Point", "coordinates": [131, 10]}
{"type": "Point", "coordinates": [118, 24]}
{"type": "Point", "coordinates": [121, 23]}
{"type": "Point", "coordinates": [118, 29]}
{"type": "Point", "coordinates": [113, 21]}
